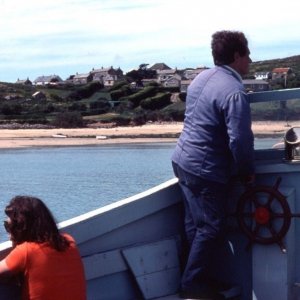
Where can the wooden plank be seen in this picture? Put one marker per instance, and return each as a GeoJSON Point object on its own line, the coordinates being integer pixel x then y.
{"type": "Point", "coordinates": [103, 264]}
{"type": "Point", "coordinates": [158, 284]}
{"type": "Point", "coordinates": [155, 267]}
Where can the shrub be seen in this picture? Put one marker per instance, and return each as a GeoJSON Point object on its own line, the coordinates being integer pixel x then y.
{"type": "Point", "coordinates": [171, 89]}
{"type": "Point", "coordinates": [159, 101]}
{"type": "Point", "coordinates": [100, 106]}
{"type": "Point", "coordinates": [152, 83]}
{"type": "Point", "coordinates": [121, 120]}
{"type": "Point", "coordinates": [6, 110]}
{"type": "Point", "coordinates": [124, 106]}
{"type": "Point", "coordinates": [49, 108]}
{"type": "Point", "coordinates": [153, 115]}
{"type": "Point", "coordinates": [122, 92]}
{"type": "Point", "coordinates": [56, 98]}
{"type": "Point", "coordinates": [142, 94]}
{"type": "Point", "coordinates": [11, 109]}
{"type": "Point", "coordinates": [182, 96]}
{"type": "Point", "coordinates": [118, 85]}
{"type": "Point", "coordinates": [174, 112]}
{"type": "Point", "coordinates": [85, 91]}
{"type": "Point", "coordinates": [138, 118]}
{"type": "Point", "coordinates": [68, 120]}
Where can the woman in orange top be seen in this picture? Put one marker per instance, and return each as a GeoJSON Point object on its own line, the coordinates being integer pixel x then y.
{"type": "Point", "coordinates": [49, 262]}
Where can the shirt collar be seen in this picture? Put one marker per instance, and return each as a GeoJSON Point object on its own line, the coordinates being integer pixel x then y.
{"type": "Point", "coordinates": [239, 77]}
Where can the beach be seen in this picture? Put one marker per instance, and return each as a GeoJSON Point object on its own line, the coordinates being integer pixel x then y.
{"type": "Point", "coordinates": [148, 133]}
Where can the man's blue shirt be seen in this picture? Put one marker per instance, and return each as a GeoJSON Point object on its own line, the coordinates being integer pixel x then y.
{"type": "Point", "coordinates": [217, 139]}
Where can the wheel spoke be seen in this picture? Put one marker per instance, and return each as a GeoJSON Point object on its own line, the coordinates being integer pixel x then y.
{"type": "Point", "coordinates": [255, 201]}
{"type": "Point", "coordinates": [270, 200]}
{"type": "Point", "coordinates": [272, 230]}
{"type": "Point", "coordinates": [256, 229]}
{"type": "Point", "coordinates": [278, 215]}
{"type": "Point", "coordinates": [282, 246]}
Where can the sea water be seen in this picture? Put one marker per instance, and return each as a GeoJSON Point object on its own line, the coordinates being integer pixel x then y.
{"type": "Point", "coordinates": [75, 180]}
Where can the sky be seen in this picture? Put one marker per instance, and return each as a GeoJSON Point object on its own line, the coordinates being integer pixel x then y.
{"type": "Point", "coordinates": [66, 37]}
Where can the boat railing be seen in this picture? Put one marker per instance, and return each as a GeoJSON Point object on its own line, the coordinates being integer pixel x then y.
{"type": "Point", "coordinates": [275, 95]}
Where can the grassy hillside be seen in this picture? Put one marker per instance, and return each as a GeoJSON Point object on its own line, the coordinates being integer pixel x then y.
{"type": "Point", "coordinates": [268, 65]}
{"type": "Point", "coordinates": [76, 106]}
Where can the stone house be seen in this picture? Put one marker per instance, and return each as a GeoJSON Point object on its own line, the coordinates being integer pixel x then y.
{"type": "Point", "coordinates": [83, 78]}
{"type": "Point", "coordinates": [159, 67]}
{"type": "Point", "coordinates": [49, 79]}
{"type": "Point", "coordinates": [24, 81]}
{"type": "Point", "coordinates": [38, 96]}
{"type": "Point", "coordinates": [147, 81]}
{"type": "Point", "coordinates": [109, 80]}
{"type": "Point", "coordinates": [184, 85]}
{"type": "Point", "coordinates": [164, 75]}
{"type": "Point", "coordinates": [107, 76]}
{"type": "Point", "coordinates": [173, 81]}
{"type": "Point", "coordinates": [190, 73]}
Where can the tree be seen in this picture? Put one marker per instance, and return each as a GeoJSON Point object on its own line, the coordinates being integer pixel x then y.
{"type": "Point", "coordinates": [100, 106]}
{"type": "Point", "coordinates": [14, 109]}
{"type": "Point", "coordinates": [142, 73]}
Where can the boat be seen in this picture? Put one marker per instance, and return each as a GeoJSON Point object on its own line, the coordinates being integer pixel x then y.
{"type": "Point", "coordinates": [59, 135]}
{"type": "Point", "coordinates": [134, 248]}
{"type": "Point", "coordinates": [101, 137]}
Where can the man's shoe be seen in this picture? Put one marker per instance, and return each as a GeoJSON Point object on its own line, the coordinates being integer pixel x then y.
{"type": "Point", "coordinates": [226, 290]}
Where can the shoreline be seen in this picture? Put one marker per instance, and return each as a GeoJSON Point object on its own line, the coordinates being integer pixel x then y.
{"type": "Point", "coordinates": [148, 133]}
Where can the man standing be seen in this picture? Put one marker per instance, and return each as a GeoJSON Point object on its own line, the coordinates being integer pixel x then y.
{"type": "Point", "coordinates": [216, 142]}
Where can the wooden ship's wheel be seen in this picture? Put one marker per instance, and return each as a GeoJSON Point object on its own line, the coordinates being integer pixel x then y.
{"type": "Point", "coordinates": [264, 215]}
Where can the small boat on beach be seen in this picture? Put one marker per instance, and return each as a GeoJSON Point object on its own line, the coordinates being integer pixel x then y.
{"type": "Point", "coordinates": [59, 135]}
{"type": "Point", "coordinates": [134, 248]}
{"type": "Point", "coordinates": [101, 137]}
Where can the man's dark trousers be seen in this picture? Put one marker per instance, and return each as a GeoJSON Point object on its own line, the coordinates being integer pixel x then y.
{"type": "Point", "coordinates": [205, 210]}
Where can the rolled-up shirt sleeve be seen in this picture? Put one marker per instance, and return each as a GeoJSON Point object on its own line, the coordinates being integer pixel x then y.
{"type": "Point", "coordinates": [241, 140]}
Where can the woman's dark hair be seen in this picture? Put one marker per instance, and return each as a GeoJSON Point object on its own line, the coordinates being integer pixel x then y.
{"type": "Point", "coordinates": [225, 44]}
{"type": "Point", "coordinates": [32, 221]}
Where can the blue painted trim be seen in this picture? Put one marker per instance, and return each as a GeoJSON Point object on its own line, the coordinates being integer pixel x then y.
{"type": "Point", "coordinates": [276, 95]}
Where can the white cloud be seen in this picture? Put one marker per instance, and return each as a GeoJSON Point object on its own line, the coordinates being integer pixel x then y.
{"type": "Point", "coordinates": [68, 35]}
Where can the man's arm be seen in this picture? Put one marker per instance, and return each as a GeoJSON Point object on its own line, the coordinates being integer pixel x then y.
{"type": "Point", "coordinates": [241, 140]}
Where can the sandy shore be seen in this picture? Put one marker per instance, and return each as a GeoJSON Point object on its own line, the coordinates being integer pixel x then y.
{"type": "Point", "coordinates": [16, 138]}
